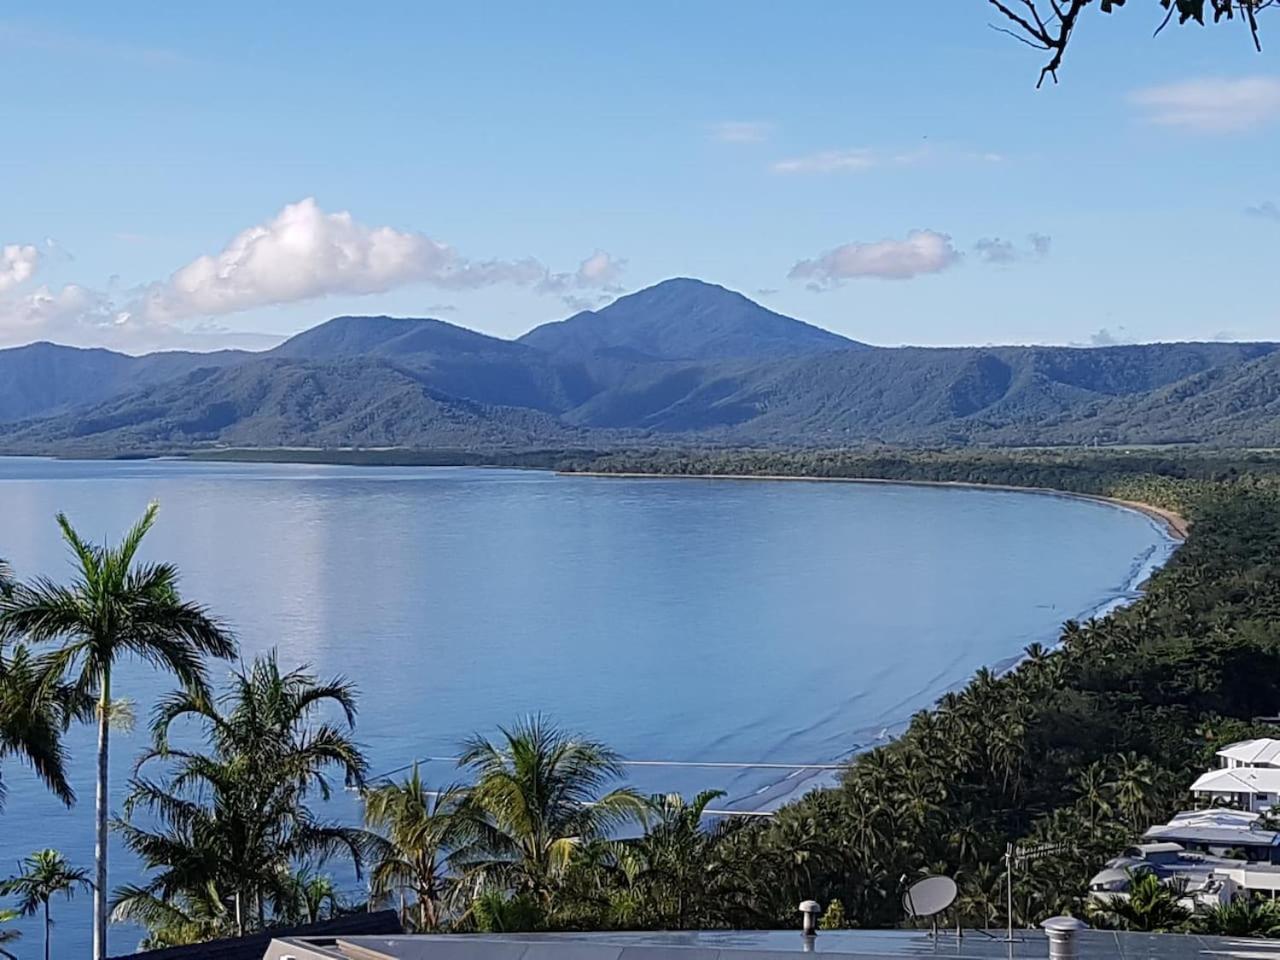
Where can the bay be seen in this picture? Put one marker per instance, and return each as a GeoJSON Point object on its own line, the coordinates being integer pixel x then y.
{"type": "Point", "coordinates": [683, 621]}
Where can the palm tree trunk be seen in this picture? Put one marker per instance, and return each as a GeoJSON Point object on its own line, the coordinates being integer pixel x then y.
{"type": "Point", "coordinates": [100, 839]}
{"type": "Point", "coordinates": [48, 925]}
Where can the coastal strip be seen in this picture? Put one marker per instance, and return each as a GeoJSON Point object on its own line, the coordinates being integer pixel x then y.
{"type": "Point", "coordinates": [1174, 524]}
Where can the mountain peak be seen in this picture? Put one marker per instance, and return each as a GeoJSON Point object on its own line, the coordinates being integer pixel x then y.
{"type": "Point", "coordinates": [684, 319]}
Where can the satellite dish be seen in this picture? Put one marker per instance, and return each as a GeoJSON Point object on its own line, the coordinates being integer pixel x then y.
{"type": "Point", "coordinates": [929, 896]}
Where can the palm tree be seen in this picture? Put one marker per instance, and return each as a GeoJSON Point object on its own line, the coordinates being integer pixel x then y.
{"type": "Point", "coordinates": [537, 799]}
{"type": "Point", "coordinates": [418, 831]}
{"type": "Point", "coordinates": [113, 609]}
{"type": "Point", "coordinates": [310, 897]}
{"type": "Point", "coordinates": [1133, 784]}
{"type": "Point", "coordinates": [234, 821]}
{"type": "Point", "coordinates": [1151, 906]}
{"type": "Point", "coordinates": [1242, 917]}
{"type": "Point", "coordinates": [670, 865]}
{"type": "Point", "coordinates": [42, 876]}
{"type": "Point", "coordinates": [35, 710]}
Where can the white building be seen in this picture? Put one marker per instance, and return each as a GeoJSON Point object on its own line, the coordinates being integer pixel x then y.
{"type": "Point", "coordinates": [1248, 776]}
{"type": "Point", "coordinates": [1251, 753]}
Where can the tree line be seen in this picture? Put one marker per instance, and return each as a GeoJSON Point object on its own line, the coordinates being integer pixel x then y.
{"type": "Point", "coordinates": [1085, 744]}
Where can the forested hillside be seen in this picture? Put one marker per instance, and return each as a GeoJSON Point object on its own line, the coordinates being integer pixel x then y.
{"type": "Point", "coordinates": [684, 361]}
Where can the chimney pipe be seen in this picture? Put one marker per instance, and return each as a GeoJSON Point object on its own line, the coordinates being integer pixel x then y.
{"type": "Point", "coordinates": [1063, 936]}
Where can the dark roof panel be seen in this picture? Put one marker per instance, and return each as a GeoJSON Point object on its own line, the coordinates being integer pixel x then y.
{"type": "Point", "coordinates": [253, 946]}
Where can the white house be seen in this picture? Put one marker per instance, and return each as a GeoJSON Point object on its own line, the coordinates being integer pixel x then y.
{"type": "Point", "coordinates": [1249, 788]}
{"type": "Point", "coordinates": [1251, 753]}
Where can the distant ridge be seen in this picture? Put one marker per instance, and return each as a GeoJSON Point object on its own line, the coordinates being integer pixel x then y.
{"type": "Point", "coordinates": [682, 362]}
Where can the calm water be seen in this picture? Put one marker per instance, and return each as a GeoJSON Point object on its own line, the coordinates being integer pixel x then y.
{"type": "Point", "coordinates": [678, 620]}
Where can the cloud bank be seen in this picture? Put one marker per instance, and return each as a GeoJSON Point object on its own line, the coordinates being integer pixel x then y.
{"type": "Point", "coordinates": [302, 253]}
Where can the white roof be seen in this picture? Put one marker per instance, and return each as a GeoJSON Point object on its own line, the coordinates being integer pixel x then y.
{"type": "Point", "coordinates": [1223, 817]}
{"type": "Point", "coordinates": [1239, 780]}
{"type": "Point", "coordinates": [1264, 750]}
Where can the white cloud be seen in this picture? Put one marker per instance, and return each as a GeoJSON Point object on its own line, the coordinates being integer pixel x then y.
{"type": "Point", "coordinates": [830, 161]}
{"type": "Point", "coordinates": [73, 314]}
{"type": "Point", "coordinates": [301, 254]}
{"type": "Point", "coordinates": [17, 264]}
{"type": "Point", "coordinates": [921, 252]}
{"type": "Point", "coordinates": [305, 253]}
{"type": "Point", "coordinates": [599, 270]}
{"type": "Point", "coordinates": [741, 131]}
{"type": "Point", "coordinates": [1267, 210]}
{"type": "Point", "coordinates": [1212, 104]}
{"type": "Point", "coordinates": [996, 250]}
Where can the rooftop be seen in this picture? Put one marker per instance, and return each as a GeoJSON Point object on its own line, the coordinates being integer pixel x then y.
{"type": "Point", "coordinates": [772, 945]}
{"type": "Point", "coordinates": [1239, 780]}
{"type": "Point", "coordinates": [1264, 750]}
{"type": "Point", "coordinates": [1218, 826]}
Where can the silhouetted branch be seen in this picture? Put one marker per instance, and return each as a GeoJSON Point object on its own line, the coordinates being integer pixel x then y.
{"type": "Point", "coordinates": [1041, 30]}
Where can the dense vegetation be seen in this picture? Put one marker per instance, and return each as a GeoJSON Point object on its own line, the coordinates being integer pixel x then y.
{"type": "Point", "coordinates": [1086, 743]}
{"type": "Point", "coordinates": [682, 359]}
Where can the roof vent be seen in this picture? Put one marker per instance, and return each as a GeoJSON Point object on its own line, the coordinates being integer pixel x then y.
{"type": "Point", "coordinates": [1062, 933]}
{"type": "Point", "coordinates": [810, 910]}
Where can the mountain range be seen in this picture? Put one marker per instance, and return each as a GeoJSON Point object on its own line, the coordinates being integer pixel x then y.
{"type": "Point", "coordinates": [682, 362]}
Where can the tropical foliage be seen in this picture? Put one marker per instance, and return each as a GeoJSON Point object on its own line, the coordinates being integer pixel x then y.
{"type": "Point", "coordinates": [41, 877]}
{"type": "Point", "coordinates": [114, 608]}
{"type": "Point", "coordinates": [1083, 745]}
{"type": "Point", "coordinates": [236, 836]}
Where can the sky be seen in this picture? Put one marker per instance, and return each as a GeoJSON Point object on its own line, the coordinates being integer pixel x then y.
{"type": "Point", "coordinates": [207, 175]}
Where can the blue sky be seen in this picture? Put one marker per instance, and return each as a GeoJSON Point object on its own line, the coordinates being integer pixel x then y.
{"type": "Point", "coordinates": [887, 170]}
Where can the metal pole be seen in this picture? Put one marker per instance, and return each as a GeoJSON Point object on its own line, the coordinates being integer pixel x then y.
{"type": "Point", "coordinates": [1008, 862]}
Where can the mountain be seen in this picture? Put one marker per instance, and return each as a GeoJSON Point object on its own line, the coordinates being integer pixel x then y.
{"type": "Point", "coordinates": [44, 378]}
{"type": "Point", "coordinates": [683, 319]}
{"type": "Point", "coordinates": [684, 362]}
{"type": "Point", "coordinates": [273, 402]}
{"type": "Point", "coordinates": [450, 359]}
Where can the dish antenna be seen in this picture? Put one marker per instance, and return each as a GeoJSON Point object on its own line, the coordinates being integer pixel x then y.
{"type": "Point", "coordinates": [928, 897]}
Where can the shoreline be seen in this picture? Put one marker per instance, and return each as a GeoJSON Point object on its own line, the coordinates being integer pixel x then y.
{"type": "Point", "coordinates": [776, 795]}
{"type": "Point", "coordinates": [1175, 526]}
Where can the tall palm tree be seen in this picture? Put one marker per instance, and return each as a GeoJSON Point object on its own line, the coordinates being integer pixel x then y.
{"type": "Point", "coordinates": [418, 829]}
{"type": "Point", "coordinates": [229, 827]}
{"type": "Point", "coordinates": [538, 798]}
{"type": "Point", "coordinates": [114, 608]}
{"type": "Point", "coordinates": [42, 876]}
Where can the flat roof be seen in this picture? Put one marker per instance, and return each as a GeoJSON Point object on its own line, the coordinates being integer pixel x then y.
{"type": "Point", "coordinates": [771, 944]}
